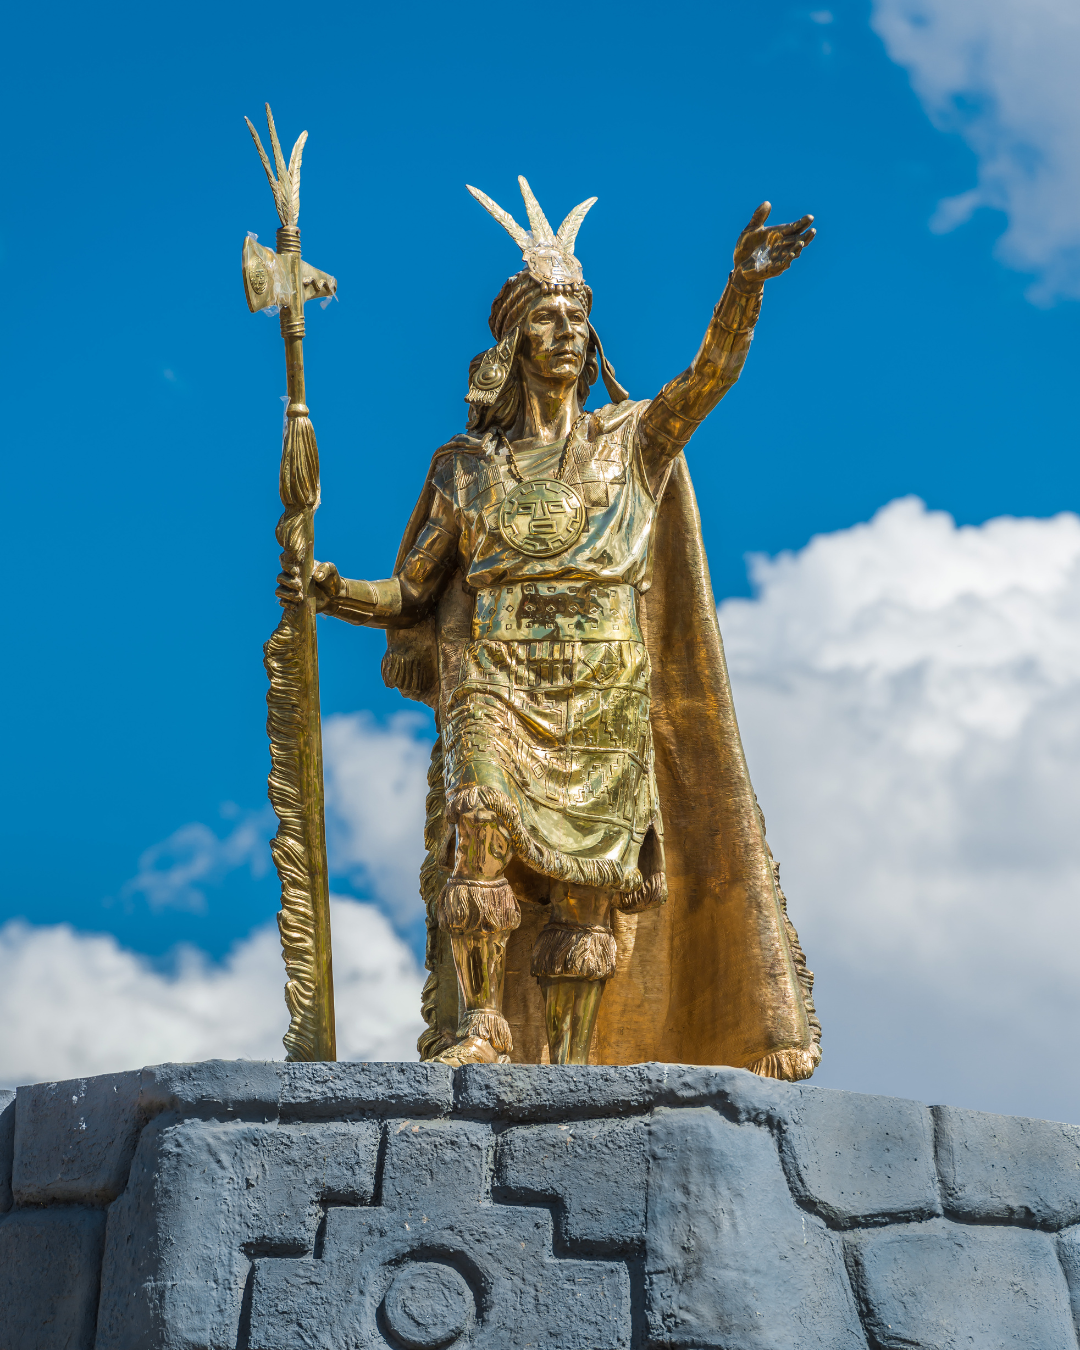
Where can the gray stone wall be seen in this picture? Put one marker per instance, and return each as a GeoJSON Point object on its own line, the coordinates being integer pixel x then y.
{"type": "Point", "coordinates": [279, 1207]}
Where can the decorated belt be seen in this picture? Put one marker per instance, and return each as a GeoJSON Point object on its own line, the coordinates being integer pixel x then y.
{"type": "Point", "coordinates": [583, 611]}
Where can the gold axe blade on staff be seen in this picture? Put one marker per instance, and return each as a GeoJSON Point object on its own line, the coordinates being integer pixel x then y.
{"type": "Point", "coordinates": [291, 656]}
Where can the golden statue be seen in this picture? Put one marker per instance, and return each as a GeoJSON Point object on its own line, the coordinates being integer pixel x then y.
{"type": "Point", "coordinates": [598, 884]}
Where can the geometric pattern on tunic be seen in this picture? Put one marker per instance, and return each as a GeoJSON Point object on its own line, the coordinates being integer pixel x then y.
{"type": "Point", "coordinates": [565, 724]}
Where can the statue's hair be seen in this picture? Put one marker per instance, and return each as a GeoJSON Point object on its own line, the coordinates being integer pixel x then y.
{"type": "Point", "coordinates": [510, 307]}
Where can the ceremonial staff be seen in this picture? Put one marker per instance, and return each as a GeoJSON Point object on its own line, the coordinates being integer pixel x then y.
{"type": "Point", "coordinates": [283, 280]}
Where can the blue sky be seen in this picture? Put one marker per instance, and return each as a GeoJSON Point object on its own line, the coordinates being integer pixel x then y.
{"type": "Point", "coordinates": [143, 414]}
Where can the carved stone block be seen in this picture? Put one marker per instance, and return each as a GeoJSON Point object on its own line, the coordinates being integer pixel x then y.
{"type": "Point", "coordinates": [861, 1160]}
{"type": "Point", "coordinates": [436, 1260]}
{"type": "Point", "coordinates": [49, 1263]}
{"type": "Point", "coordinates": [1007, 1168]}
{"type": "Point", "coordinates": [205, 1199]}
{"type": "Point", "coordinates": [574, 1166]}
{"type": "Point", "coordinates": [730, 1259]}
{"type": "Point", "coordinates": [74, 1140]}
{"type": "Point", "coordinates": [946, 1285]}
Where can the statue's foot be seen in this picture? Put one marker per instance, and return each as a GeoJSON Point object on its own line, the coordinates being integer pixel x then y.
{"type": "Point", "coordinates": [471, 1050]}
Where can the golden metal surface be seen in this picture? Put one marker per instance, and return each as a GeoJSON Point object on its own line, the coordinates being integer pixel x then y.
{"type": "Point", "coordinates": [551, 602]}
{"type": "Point", "coordinates": [291, 655]}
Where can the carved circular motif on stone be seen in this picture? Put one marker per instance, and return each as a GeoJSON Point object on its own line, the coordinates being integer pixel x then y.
{"type": "Point", "coordinates": [428, 1306]}
{"type": "Point", "coordinates": [541, 517]}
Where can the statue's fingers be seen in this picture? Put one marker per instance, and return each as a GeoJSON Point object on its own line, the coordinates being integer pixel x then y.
{"type": "Point", "coordinates": [760, 216]}
{"type": "Point", "coordinates": [791, 248]}
{"type": "Point", "coordinates": [794, 227]}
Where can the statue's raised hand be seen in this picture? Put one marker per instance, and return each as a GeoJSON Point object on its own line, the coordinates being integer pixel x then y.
{"type": "Point", "coordinates": [765, 251]}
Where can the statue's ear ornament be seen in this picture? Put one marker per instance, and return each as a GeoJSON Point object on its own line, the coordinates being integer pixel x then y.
{"type": "Point", "coordinates": [549, 255]}
{"type": "Point", "coordinates": [486, 383]}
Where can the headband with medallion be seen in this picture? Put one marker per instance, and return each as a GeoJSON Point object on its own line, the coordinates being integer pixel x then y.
{"type": "Point", "coordinates": [549, 256]}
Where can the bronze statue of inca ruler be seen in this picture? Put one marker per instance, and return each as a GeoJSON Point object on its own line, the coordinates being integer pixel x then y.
{"type": "Point", "coordinates": [598, 884]}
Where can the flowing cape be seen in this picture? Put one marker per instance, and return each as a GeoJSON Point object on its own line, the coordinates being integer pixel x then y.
{"type": "Point", "coordinates": [716, 975]}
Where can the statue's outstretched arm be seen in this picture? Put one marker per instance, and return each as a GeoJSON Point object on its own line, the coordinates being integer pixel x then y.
{"type": "Point", "coordinates": [400, 600]}
{"type": "Point", "coordinates": [763, 251]}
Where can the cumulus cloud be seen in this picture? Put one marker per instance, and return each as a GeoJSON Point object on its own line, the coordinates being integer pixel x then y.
{"type": "Point", "coordinates": [73, 1003]}
{"type": "Point", "coordinates": [1003, 74]}
{"type": "Point", "coordinates": [376, 783]}
{"type": "Point", "coordinates": [909, 694]}
{"type": "Point", "coordinates": [175, 873]}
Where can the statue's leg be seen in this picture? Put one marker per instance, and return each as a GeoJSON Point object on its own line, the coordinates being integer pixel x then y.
{"type": "Point", "coordinates": [479, 911]}
{"type": "Point", "coordinates": [573, 959]}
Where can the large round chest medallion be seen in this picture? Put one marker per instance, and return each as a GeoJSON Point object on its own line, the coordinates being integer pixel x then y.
{"type": "Point", "coordinates": [541, 517]}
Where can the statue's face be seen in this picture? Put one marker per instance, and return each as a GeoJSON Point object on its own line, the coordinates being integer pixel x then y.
{"type": "Point", "coordinates": [555, 339]}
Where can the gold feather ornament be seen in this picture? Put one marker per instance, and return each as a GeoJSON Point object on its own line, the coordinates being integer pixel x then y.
{"type": "Point", "coordinates": [548, 254]}
{"type": "Point", "coordinates": [286, 186]}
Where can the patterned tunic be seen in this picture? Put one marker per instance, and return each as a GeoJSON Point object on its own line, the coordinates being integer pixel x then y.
{"type": "Point", "coordinates": [548, 726]}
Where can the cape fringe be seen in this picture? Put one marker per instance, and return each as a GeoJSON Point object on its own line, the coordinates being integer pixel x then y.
{"type": "Point", "coordinates": [789, 1065]}
{"type": "Point", "coordinates": [563, 949]}
{"type": "Point", "coordinates": [478, 907]}
{"type": "Point", "coordinates": [431, 1040]}
{"type": "Point", "coordinates": [488, 1026]}
{"type": "Point", "coordinates": [806, 976]}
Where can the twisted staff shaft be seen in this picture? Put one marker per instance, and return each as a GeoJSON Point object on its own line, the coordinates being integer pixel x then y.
{"type": "Point", "coordinates": [291, 658]}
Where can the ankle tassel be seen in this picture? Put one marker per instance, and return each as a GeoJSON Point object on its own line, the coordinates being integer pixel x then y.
{"type": "Point", "coordinates": [572, 949]}
{"type": "Point", "coordinates": [478, 907]}
{"type": "Point", "coordinates": [489, 1026]}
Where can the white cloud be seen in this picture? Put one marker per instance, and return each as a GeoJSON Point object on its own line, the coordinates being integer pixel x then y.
{"type": "Point", "coordinates": [909, 695]}
{"type": "Point", "coordinates": [376, 784]}
{"type": "Point", "coordinates": [1003, 73]}
{"type": "Point", "coordinates": [73, 1004]}
{"type": "Point", "coordinates": [173, 874]}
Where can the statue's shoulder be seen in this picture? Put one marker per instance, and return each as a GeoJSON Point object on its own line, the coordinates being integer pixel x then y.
{"type": "Point", "coordinates": [464, 444]}
{"type": "Point", "coordinates": [616, 416]}
{"type": "Point", "coordinates": [457, 456]}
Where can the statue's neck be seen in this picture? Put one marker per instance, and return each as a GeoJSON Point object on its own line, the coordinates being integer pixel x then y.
{"type": "Point", "coordinates": [547, 414]}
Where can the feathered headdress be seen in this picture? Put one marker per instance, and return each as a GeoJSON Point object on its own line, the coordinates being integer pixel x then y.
{"type": "Point", "coordinates": [548, 254]}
